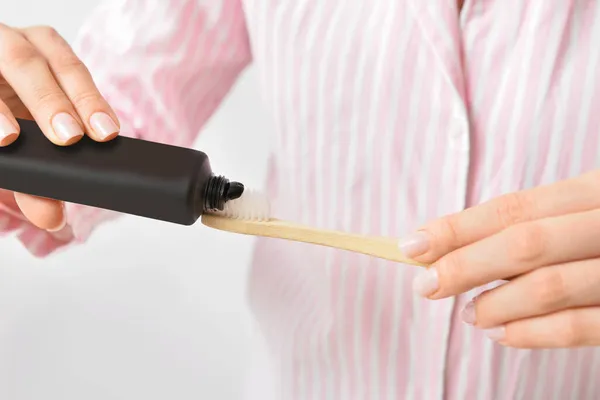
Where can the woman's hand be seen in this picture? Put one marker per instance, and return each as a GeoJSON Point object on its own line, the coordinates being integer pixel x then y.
{"type": "Point", "coordinates": [546, 241]}
{"type": "Point", "coordinates": [42, 79]}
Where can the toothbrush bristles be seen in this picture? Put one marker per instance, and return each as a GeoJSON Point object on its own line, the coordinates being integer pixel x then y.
{"type": "Point", "coordinates": [252, 205]}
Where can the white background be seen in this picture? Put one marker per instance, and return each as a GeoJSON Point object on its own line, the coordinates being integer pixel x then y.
{"type": "Point", "coordinates": [144, 310]}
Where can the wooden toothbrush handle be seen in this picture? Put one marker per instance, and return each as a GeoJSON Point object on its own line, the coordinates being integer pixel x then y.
{"type": "Point", "coordinates": [381, 247]}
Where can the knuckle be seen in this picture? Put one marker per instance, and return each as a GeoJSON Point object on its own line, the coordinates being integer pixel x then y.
{"type": "Point", "coordinates": [19, 55]}
{"type": "Point", "coordinates": [67, 63]}
{"type": "Point", "coordinates": [47, 32]}
{"type": "Point", "coordinates": [514, 208]}
{"type": "Point", "coordinates": [549, 290]}
{"type": "Point", "coordinates": [83, 99]}
{"type": "Point", "coordinates": [446, 229]}
{"type": "Point", "coordinates": [527, 242]}
{"type": "Point", "coordinates": [48, 99]}
{"type": "Point", "coordinates": [571, 333]}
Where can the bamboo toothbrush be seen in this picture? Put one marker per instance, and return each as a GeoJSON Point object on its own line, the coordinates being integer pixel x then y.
{"type": "Point", "coordinates": [251, 215]}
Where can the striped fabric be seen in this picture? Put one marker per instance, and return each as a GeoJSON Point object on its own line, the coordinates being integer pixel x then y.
{"type": "Point", "coordinates": [388, 113]}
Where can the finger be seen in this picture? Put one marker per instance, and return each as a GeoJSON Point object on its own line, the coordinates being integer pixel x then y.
{"type": "Point", "coordinates": [457, 230]}
{"type": "Point", "coordinates": [576, 327]}
{"type": "Point", "coordinates": [543, 291]}
{"type": "Point", "coordinates": [9, 128]}
{"type": "Point", "coordinates": [44, 213]}
{"type": "Point", "coordinates": [99, 119]}
{"type": "Point", "coordinates": [27, 72]}
{"type": "Point", "coordinates": [7, 199]}
{"type": "Point", "coordinates": [514, 251]}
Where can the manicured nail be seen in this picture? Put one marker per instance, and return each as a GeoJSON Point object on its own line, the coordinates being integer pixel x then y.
{"type": "Point", "coordinates": [66, 127]}
{"type": "Point", "coordinates": [103, 125]}
{"type": "Point", "coordinates": [468, 313]}
{"type": "Point", "coordinates": [496, 334]}
{"type": "Point", "coordinates": [63, 221]}
{"type": "Point", "coordinates": [414, 245]}
{"type": "Point", "coordinates": [8, 131]}
{"type": "Point", "coordinates": [60, 226]}
{"type": "Point", "coordinates": [426, 283]}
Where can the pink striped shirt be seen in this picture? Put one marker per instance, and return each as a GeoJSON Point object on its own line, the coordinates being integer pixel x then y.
{"type": "Point", "coordinates": [388, 113]}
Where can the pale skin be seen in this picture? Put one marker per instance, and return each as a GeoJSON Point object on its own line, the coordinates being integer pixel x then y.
{"type": "Point", "coordinates": [42, 79]}
{"type": "Point", "coordinates": [544, 241]}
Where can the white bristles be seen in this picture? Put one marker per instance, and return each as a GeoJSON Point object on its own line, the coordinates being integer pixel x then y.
{"type": "Point", "coordinates": [252, 205]}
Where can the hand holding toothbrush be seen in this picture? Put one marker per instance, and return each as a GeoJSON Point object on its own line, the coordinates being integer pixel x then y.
{"type": "Point", "coordinates": [42, 79]}
{"type": "Point", "coordinates": [545, 240]}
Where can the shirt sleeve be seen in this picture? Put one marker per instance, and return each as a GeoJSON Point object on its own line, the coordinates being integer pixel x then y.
{"type": "Point", "coordinates": [164, 66]}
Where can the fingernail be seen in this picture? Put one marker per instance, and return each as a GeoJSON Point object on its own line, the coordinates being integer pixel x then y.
{"type": "Point", "coordinates": [60, 226]}
{"type": "Point", "coordinates": [103, 125]}
{"type": "Point", "coordinates": [426, 283]}
{"type": "Point", "coordinates": [63, 221]}
{"type": "Point", "coordinates": [66, 127]}
{"type": "Point", "coordinates": [468, 313]}
{"type": "Point", "coordinates": [496, 334]}
{"type": "Point", "coordinates": [414, 245]}
{"type": "Point", "coordinates": [8, 131]}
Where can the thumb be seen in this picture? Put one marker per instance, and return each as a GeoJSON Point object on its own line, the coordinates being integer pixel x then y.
{"type": "Point", "coordinates": [44, 213]}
